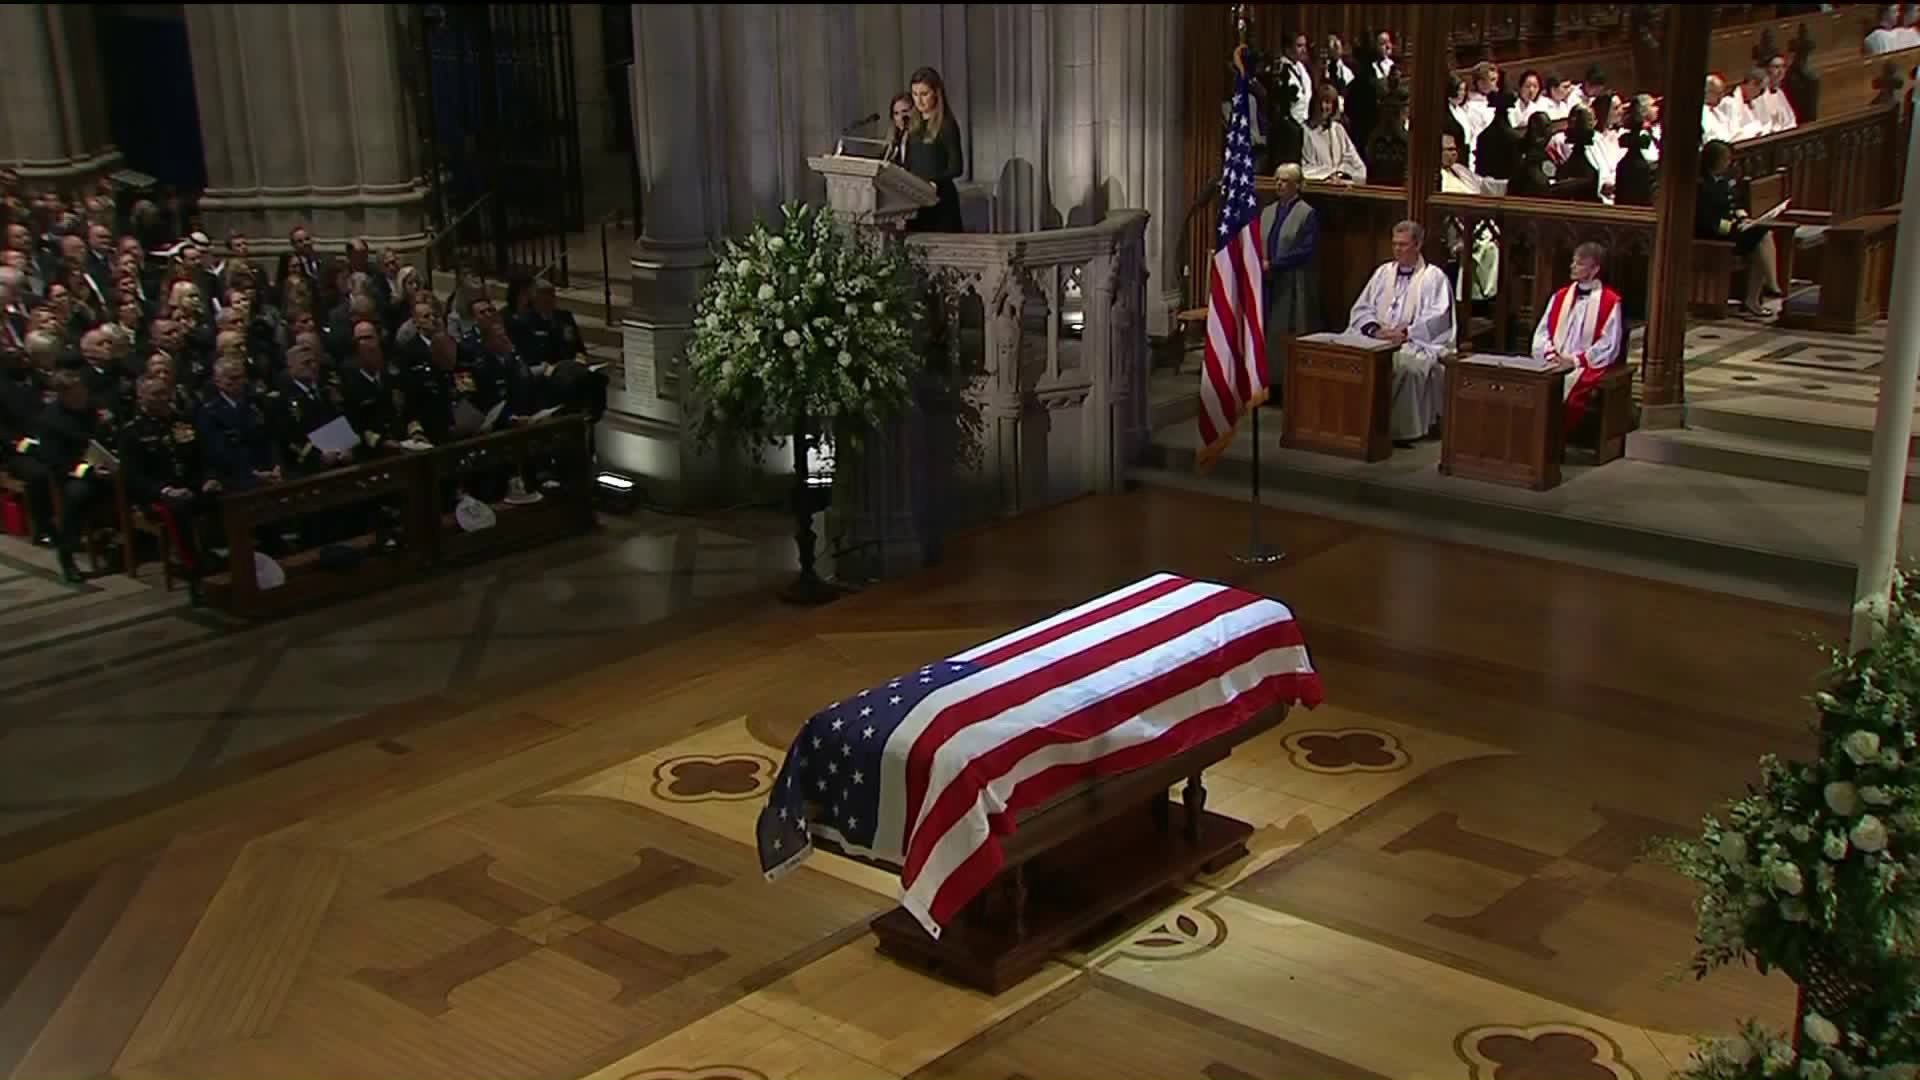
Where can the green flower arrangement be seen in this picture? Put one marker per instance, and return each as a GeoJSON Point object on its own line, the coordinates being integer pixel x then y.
{"type": "Point", "coordinates": [804, 324]}
{"type": "Point", "coordinates": [1816, 872]}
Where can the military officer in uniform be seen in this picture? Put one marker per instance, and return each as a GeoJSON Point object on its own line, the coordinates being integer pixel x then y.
{"type": "Point", "coordinates": [66, 431]}
{"type": "Point", "coordinates": [370, 394]}
{"type": "Point", "coordinates": [300, 404]}
{"type": "Point", "coordinates": [429, 391]}
{"type": "Point", "coordinates": [237, 445]}
{"type": "Point", "coordinates": [23, 394]}
{"type": "Point", "coordinates": [160, 458]}
{"type": "Point", "coordinates": [546, 335]}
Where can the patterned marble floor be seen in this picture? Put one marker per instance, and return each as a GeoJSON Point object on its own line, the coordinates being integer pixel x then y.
{"type": "Point", "coordinates": [556, 878]}
{"type": "Point", "coordinates": [115, 687]}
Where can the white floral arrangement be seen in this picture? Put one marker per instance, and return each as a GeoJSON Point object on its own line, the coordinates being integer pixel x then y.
{"type": "Point", "coordinates": [804, 323]}
{"type": "Point", "coordinates": [1816, 872]}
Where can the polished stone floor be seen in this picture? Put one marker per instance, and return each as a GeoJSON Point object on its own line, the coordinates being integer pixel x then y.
{"type": "Point", "coordinates": [551, 873]}
{"type": "Point", "coordinates": [115, 686]}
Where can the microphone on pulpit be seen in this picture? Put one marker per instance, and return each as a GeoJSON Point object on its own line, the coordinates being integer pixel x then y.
{"type": "Point", "coordinates": [860, 123]}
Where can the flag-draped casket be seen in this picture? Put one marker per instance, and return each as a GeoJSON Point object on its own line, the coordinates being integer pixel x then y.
{"type": "Point", "coordinates": [927, 773]}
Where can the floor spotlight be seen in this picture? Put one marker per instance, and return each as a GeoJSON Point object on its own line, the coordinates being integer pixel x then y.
{"type": "Point", "coordinates": [614, 493]}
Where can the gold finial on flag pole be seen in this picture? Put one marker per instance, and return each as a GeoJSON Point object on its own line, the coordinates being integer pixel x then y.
{"type": "Point", "coordinates": [1242, 22]}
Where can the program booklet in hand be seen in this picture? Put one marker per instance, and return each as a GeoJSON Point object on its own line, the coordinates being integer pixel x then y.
{"type": "Point", "coordinates": [336, 436]}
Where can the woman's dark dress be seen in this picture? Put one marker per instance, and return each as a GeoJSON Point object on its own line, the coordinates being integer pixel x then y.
{"type": "Point", "coordinates": [940, 162]}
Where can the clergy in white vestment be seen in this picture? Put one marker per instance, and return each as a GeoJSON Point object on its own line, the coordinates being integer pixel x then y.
{"type": "Point", "coordinates": [1582, 332]}
{"type": "Point", "coordinates": [1409, 303]}
{"type": "Point", "coordinates": [1326, 150]}
{"type": "Point", "coordinates": [1289, 233]}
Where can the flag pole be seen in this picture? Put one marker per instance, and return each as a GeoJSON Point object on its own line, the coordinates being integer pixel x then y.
{"type": "Point", "coordinates": [1257, 552]}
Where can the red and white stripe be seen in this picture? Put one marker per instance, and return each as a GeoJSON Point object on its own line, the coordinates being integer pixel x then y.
{"type": "Point", "coordinates": [1131, 678]}
{"type": "Point", "coordinates": [1235, 370]}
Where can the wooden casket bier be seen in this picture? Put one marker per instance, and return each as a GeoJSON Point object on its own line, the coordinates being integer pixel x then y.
{"type": "Point", "coordinates": [1073, 848]}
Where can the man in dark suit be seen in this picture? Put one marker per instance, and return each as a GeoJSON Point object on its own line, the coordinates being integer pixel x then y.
{"type": "Point", "coordinates": [106, 381]}
{"type": "Point", "coordinates": [22, 398]}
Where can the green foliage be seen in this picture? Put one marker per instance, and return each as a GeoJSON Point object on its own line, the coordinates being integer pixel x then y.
{"type": "Point", "coordinates": [803, 321]}
{"type": "Point", "coordinates": [1816, 870]}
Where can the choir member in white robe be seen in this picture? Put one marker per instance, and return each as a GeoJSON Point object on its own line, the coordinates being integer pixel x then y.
{"type": "Point", "coordinates": [1558, 101]}
{"type": "Point", "coordinates": [1479, 255]}
{"type": "Point", "coordinates": [1582, 331]}
{"type": "Point", "coordinates": [1298, 68]}
{"type": "Point", "coordinates": [1383, 62]}
{"type": "Point", "coordinates": [1527, 101]}
{"type": "Point", "coordinates": [1326, 150]}
{"type": "Point", "coordinates": [1289, 233]}
{"type": "Point", "coordinates": [1409, 303]}
{"type": "Point", "coordinates": [1773, 109]}
{"type": "Point", "coordinates": [1887, 36]}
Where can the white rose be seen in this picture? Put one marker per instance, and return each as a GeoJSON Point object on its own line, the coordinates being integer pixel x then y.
{"type": "Point", "coordinates": [1820, 1029]}
{"type": "Point", "coordinates": [765, 293]}
{"type": "Point", "coordinates": [1733, 848]}
{"type": "Point", "coordinates": [1793, 910]}
{"type": "Point", "coordinates": [1868, 834]}
{"type": "Point", "coordinates": [1889, 759]}
{"type": "Point", "coordinates": [791, 338]}
{"type": "Point", "coordinates": [1862, 746]}
{"type": "Point", "coordinates": [819, 279]}
{"type": "Point", "coordinates": [1815, 1069]}
{"type": "Point", "coordinates": [1736, 1051]}
{"type": "Point", "coordinates": [1875, 796]}
{"type": "Point", "coordinates": [879, 307]}
{"type": "Point", "coordinates": [852, 310]}
{"type": "Point", "coordinates": [726, 369]}
{"type": "Point", "coordinates": [1834, 847]}
{"type": "Point", "coordinates": [1786, 878]}
{"type": "Point", "coordinates": [776, 244]}
{"type": "Point", "coordinates": [1841, 799]}
{"type": "Point", "coordinates": [1800, 833]}
{"type": "Point", "coordinates": [846, 358]}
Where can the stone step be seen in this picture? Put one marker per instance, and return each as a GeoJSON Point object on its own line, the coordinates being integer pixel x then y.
{"type": "Point", "coordinates": [1758, 458]}
{"type": "Point", "coordinates": [1644, 514]}
{"type": "Point", "coordinates": [1818, 425]}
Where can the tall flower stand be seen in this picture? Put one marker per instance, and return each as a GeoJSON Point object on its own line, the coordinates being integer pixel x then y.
{"type": "Point", "coordinates": [809, 588]}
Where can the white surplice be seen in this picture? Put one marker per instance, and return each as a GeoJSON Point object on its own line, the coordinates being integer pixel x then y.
{"type": "Point", "coordinates": [1605, 154]}
{"type": "Point", "coordinates": [1328, 150]}
{"type": "Point", "coordinates": [1421, 303]}
{"type": "Point", "coordinates": [1775, 112]}
{"type": "Point", "coordinates": [1480, 270]}
{"type": "Point", "coordinates": [1578, 337]}
{"type": "Point", "coordinates": [1298, 74]}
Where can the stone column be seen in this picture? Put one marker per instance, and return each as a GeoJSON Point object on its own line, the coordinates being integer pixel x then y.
{"type": "Point", "coordinates": [53, 115]}
{"type": "Point", "coordinates": [306, 118]}
{"type": "Point", "coordinates": [680, 141]}
{"type": "Point", "coordinates": [1662, 368]}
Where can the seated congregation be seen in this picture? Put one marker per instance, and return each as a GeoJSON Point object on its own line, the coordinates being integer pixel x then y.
{"type": "Point", "coordinates": [1530, 243]}
{"type": "Point", "coordinates": [310, 416]}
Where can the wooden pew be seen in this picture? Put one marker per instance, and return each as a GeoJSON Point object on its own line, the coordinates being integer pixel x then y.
{"type": "Point", "coordinates": [1857, 275]}
{"type": "Point", "coordinates": [1846, 164]}
{"type": "Point", "coordinates": [269, 509]}
{"type": "Point", "coordinates": [421, 484]}
{"type": "Point", "coordinates": [567, 510]}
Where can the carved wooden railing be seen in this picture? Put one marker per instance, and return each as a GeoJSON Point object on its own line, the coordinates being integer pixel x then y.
{"type": "Point", "coordinates": [1537, 238]}
{"type": "Point", "coordinates": [1847, 164]}
{"type": "Point", "coordinates": [413, 488]}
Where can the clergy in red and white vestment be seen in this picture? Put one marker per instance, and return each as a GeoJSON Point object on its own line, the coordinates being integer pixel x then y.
{"type": "Point", "coordinates": [1583, 331]}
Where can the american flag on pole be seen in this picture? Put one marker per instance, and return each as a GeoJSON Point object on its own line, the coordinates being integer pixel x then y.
{"type": "Point", "coordinates": [1233, 378]}
{"type": "Point", "coordinates": [926, 771]}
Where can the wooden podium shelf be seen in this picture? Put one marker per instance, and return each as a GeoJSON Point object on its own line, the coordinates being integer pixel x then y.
{"type": "Point", "coordinates": [1337, 393]}
{"type": "Point", "coordinates": [1503, 424]}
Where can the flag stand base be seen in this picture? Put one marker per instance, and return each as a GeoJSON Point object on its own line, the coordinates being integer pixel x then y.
{"type": "Point", "coordinates": [1257, 553]}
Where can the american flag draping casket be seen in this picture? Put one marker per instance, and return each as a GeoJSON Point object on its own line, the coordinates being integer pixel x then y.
{"type": "Point", "coordinates": [923, 772]}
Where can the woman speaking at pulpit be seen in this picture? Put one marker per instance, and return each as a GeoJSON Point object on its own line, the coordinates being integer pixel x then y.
{"type": "Point", "coordinates": [934, 153]}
